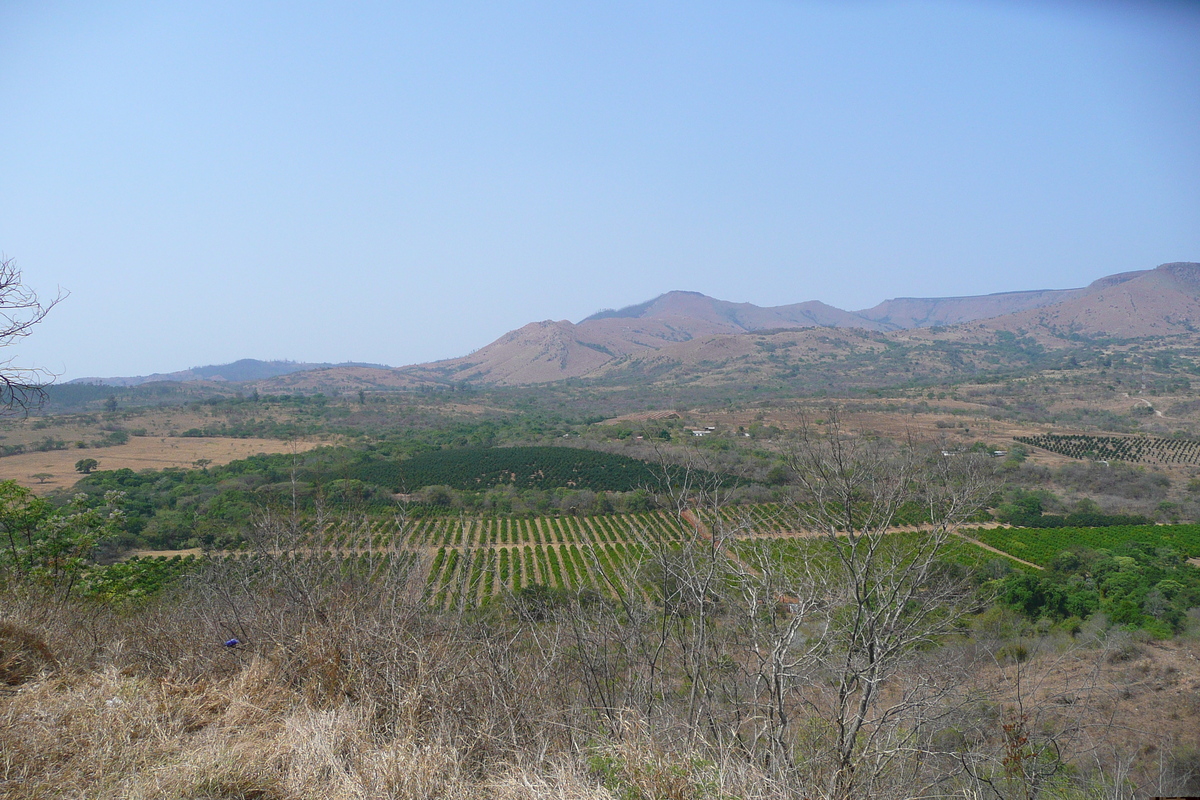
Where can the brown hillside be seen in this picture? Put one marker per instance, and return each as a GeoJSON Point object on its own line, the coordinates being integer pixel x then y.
{"type": "Point", "coordinates": [920, 312]}
{"type": "Point", "coordinates": [555, 350]}
{"type": "Point", "coordinates": [535, 353]}
{"type": "Point", "coordinates": [683, 333]}
{"type": "Point", "coordinates": [1157, 302]}
{"type": "Point", "coordinates": [688, 337]}
{"type": "Point", "coordinates": [541, 352]}
{"type": "Point", "coordinates": [746, 358]}
{"type": "Point", "coordinates": [344, 379]}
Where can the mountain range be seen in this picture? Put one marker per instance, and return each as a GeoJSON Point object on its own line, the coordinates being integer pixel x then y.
{"type": "Point", "coordinates": [690, 328]}
{"type": "Point", "coordinates": [687, 337]}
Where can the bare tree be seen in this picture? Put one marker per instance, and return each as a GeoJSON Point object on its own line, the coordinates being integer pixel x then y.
{"type": "Point", "coordinates": [796, 656]}
{"type": "Point", "coordinates": [20, 310]}
{"type": "Point", "coordinates": [868, 599]}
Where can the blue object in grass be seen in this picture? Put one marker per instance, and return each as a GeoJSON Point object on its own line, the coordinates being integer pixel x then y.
{"type": "Point", "coordinates": [232, 643]}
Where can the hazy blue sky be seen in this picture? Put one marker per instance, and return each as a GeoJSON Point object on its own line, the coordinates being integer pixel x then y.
{"type": "Point", "coordinates": [400, 182]}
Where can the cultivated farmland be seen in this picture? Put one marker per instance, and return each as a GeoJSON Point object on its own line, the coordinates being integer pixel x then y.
{"type": "Point", "coordinates": [469, 560]}
{"type": "Point", "coordinates": [1154, 449]}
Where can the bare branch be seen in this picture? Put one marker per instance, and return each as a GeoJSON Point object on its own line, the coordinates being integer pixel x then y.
{"type": "Point", "coordinates": [20, 310]}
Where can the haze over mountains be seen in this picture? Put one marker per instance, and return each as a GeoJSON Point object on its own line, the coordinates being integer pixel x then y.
{"type": "Point", "coordinates": [243, 370]}
{"type": "Point", "coordinates": [684, 327]}
{"type": "Point", "coordinates": [688, 336]}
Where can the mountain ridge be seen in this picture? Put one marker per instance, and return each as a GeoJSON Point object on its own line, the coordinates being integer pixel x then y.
{"type": "Point", "coordinates": [240, 371]}
{"type": "Point", "coordinates": [558, 349]}
{"type": "Point", "coordinates": [684, 333]}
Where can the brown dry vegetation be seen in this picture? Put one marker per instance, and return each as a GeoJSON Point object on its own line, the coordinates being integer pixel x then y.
{"type": "Point", "coordinates": [361, 699]}
{"type": "Point", "coordinates": [365, 695]}
{"type": "Point", "coordinates": [140, 452]}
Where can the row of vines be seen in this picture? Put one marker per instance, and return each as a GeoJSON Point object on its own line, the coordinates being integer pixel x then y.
{"type": "Point", "coordinates": [464, 562]}
{"type": "Point", "coordinates": [1118, 448]}
{"type": "Point", "coordinates": [470, 577]}
{"type": "Point", "coordinates": [375, 533]}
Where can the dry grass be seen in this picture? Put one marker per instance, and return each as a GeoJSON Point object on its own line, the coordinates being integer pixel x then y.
{"type": "Point", "coordinates": [353, 690]}
{"type": "Point", "coordinates": [23, 654]}
{"type": "Point", "coordinates": [360, 694]}
{"type": "Point", "coordinates": [295, 722]}
{"type": "Point", "coordinates": [104, 734]}
{"type": "Point", "coordinates": [139, 453]}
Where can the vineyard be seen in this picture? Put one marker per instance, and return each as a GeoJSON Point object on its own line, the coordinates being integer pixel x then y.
{"type": "Point", "coordinates": [466, 561]}
{"type": "Point", "coordinates": [774, 517]}
{"type": "Point", "coordinates": [1133, 449]}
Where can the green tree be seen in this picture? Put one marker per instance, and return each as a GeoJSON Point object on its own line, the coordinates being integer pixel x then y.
{"type": "Point", "coordinates": [53, 546]}
{"type": "Point", "coordinates": [21, 513]}
{"type": "Point", "coordinates": [86, 465]}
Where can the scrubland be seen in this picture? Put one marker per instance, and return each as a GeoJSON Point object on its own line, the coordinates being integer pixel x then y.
{"type": "Point", "coordinates": [702, 668]}
{"type": "Point", "coordinates": [725, 686]}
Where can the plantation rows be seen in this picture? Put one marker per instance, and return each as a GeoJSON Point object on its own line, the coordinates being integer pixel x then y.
{"type": "Point", "coordinates": [1041, 545]}
{"type": "Point", "coordinates": [759, 518]}
{"type": "Point", "coordinates": [470, 532]}
{"type": "Point", "coordinates": [775, 518]}
{"type": "Point", "coordinates": [463, 578]}
{"type": "Point", "coordinates": [1118, 448]}
{"type": "Point", "coordinates": [361, 564]}
{"type": "Point", "coordinates": [462, 563]}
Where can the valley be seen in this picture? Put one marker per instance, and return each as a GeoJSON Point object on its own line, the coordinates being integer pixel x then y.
{"type": "Point", "coordinates": [635, 510]}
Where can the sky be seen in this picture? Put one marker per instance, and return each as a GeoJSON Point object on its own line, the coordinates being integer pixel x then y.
{"type": "Point", "coordinates": [398, 182]}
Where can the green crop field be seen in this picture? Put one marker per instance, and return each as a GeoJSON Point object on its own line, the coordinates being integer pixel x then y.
{"type": "Point", "coordinates": [1041, 545]}
{"type": "Point", "coordinates": [522, 467]}
{"type": "Point", "coordinates": [465, 561]}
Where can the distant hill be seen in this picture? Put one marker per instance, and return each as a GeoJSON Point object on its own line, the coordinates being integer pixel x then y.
{"type": "Point", "coordinates": [683, 323]}
{"type": "Point", "coordinates": [1159, 308]}
{"type": "Point", "coordinates": [738, 317]}
{"type": "Point", "coordinates": [242, 371]}
{"type": "Point", "coordinates": [553, 350]}
{"type": "Point", "coordinates": [348, 378]}
{"type": "Point", "coordinates": [689, 339]}
{"type": "Point", "coordinates": [1154, 302]}
{"type": "Point", "coordinates": [923, 312]}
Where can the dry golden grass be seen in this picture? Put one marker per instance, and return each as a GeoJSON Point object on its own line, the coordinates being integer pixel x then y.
{"type": "Point", "coordinates": [107, 734]}
{"type": "Point", "coordinates": [253, 731]}
{"type": "Point", "coordinates": [141, 452]}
